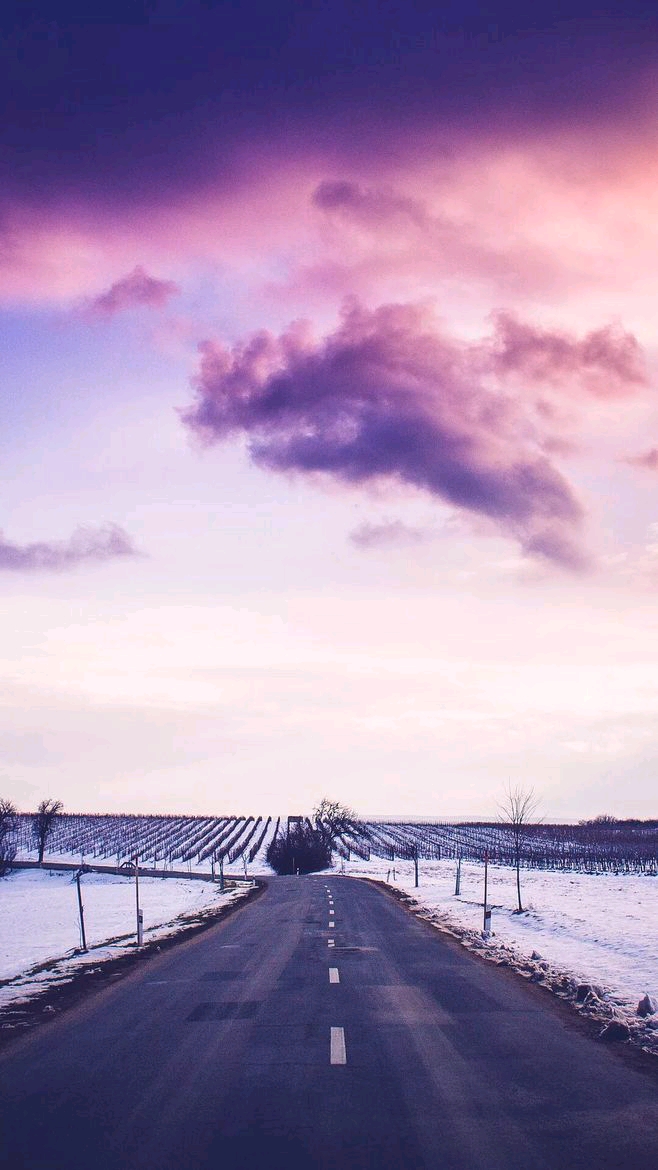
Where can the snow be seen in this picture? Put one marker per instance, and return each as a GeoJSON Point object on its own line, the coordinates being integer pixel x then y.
{"type": "Point", "coordinates": [590, 928]}
{"type": "Point", "coordinates": [39, 921]}
{"type": "Point", "coordinates": [598, 929]}
{"type": "Point", "coordinates": [193, 867]}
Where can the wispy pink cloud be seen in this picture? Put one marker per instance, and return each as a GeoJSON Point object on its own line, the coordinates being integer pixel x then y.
{"type": "Point", "coordinates": [390, 532]}
{"type": "Point", "coordinates": [389, 394]}
{"type": "Point", "coordinates": [564, 221]}
{"type": "Point", "coordinates": [135, 290]}
{"type": "Point", "coordinates": [608, 362]}
{"type": "Point", "coordinates": [646, 459]}
{"type": "Point", "coordinates": [85, 545]}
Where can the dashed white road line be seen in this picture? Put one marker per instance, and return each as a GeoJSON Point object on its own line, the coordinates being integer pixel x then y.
{"type": "Point", "coordinates": [337, 1052]}
{"type": "Point", "coordinates": [331, 925]}
{"type": "Point", "coordinates": [330, 942]}
{"type": "Point", "coordinates": [332, 911]}
{"type": "Point", "coordinates": [334, 977]}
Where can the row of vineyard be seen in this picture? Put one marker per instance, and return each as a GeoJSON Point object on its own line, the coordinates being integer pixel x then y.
{"type": "Point", "coordinates": [592, 848]}
{"type": "Point", "coordinates": [168, 841]}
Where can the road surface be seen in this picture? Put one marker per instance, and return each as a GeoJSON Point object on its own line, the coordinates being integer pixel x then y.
{"type": "Point", "coordinates": [321, 1028]}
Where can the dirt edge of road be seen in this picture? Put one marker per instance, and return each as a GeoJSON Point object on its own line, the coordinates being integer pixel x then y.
{"type": "Point", "coordinates": [21, 1018]}
{"type": "Point", "coordinates": [569, 1011]}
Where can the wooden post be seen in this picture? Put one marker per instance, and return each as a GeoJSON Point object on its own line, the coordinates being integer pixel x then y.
{"type": "Point", "coordinates": [486, 874]}
{"type": "Point", "coordinates": [458, 877]}
{"type": "Point", "coordinates": [416, 868]}
{"type": "Point", "coordinates": [82, 911]}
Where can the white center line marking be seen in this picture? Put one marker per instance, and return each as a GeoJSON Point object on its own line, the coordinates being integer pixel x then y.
{"type": "Point", "coordinates": [330, 942]}
{"type": "Point", "coordinates": [331, 925]}
{"type": "Point", "coordinates": [337, 1053]}
{"type": "Point", "coordinates": [334, 977]}
{"type": "Point", "coordinates": [331, 911]}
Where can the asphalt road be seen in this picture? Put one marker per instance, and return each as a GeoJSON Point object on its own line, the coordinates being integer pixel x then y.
{"type": "Point", "coordinates": [259, 1045]}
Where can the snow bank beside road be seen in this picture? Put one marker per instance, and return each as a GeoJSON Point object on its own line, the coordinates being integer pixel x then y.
{"type": "Point", "coordinates": [39, 922]}
{"type": "Point", "coordinates": [599, 929]}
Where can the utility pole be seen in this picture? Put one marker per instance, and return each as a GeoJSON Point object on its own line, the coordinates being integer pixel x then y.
{"type": "Point", "coordinates": [140, 917]}
{"type": "Point", "coordinates": [81, 909]}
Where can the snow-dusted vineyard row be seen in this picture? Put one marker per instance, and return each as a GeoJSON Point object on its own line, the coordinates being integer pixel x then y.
{"type": "Point", "coordinates": [200, 841]}
{"type": "Point", "coordinates": [590, 848]}
{"type": "Point", "coordinates": [158, 841]}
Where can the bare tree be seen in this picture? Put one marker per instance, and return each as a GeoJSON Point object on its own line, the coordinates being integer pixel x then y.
{"type": "Point", "coordinates": [42, 823]}
{"type": "Point", "coordinates": [517, 811]}
{"type": "Point", "coordinates": [7, 829]}
{"type": "Point", "coordinates": [332, 818]}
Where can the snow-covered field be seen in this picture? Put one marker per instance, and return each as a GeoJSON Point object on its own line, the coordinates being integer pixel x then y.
{"type": "Point", "coordinates": [594, 928]}
{"type": "Point", "coordinates": [39, 921]}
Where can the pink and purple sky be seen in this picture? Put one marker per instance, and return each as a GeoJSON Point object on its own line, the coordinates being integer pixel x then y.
{"type": "Point", "coordinates": [330, 434]}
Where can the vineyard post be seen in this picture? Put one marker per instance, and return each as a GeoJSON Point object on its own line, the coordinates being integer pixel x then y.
{"type": "Point", "coordinates": [81, 909]}
{"type": "Point", "coordinates": [212, 866]}
{"type": "Point", "coordinates": [221, 872]}
{"type": "Point", "coordinates": [416, 866]}
{"type": "Point", "coordinates": [140, 917]}
{"type": "Point", "coordinates": [458, 876]}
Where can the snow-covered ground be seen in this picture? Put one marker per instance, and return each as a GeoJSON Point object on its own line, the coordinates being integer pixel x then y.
{"type": "Point", "coordinates": [194, 868]}
{"type": "Point", "coordinates": [39, 921]}
{"type": "Point", "coordinates": [599, 929]}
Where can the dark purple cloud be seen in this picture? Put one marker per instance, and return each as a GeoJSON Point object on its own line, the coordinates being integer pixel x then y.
{"type": "Point", "coordinates": [133, 291]}
{"type": "Point", "coordinates": [149, 98]}
{"type": "Point", "coordinates": [388, 395]}
{"type": "Point", "coordinates": [85, 545]}
{"type": "Point", "coordinates": [371, 206]}
{"type": "Point", "coordinates": [390, 532]}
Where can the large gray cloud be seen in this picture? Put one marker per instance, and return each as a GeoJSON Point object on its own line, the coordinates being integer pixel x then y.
{"type": "Point", "coordinates": [387, 394]}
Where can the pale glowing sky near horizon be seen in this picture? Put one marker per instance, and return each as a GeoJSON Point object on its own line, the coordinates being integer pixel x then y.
{"type": "Point", "coordinates": [403, 554]}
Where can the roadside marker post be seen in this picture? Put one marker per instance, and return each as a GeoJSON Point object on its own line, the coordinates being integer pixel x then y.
{"type": "Point", "coordinates": [140, 917]}
{"type": "Point", "coordinates": [458, 877]}
{"type": "Point", "coordinates": [487, 913]}
{"type": "Point", "coordinates": [81, 909]}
